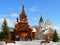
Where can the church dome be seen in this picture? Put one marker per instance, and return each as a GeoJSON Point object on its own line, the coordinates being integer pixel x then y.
{"type": "Point", "coordinates": [48, 22]}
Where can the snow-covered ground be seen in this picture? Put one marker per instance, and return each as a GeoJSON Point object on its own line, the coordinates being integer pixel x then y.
{"type": "Point", "coordinates": [34, 42]}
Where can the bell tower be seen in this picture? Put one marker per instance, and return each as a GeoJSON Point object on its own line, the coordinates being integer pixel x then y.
{"type": "Point", "coordinates": [23, 17]}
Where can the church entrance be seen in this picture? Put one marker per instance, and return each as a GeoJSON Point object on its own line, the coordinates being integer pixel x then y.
{"type": "Point", "coordinates": [17, 38]}
{"type": "Point", "coordinates": [23, 36]}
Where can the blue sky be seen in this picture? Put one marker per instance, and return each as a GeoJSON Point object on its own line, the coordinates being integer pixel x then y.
{"type": "Point", "coordinates": [50, 9]}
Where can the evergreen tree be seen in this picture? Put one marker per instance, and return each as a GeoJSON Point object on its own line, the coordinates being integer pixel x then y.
{"type": "Point", "coordinates": [6, 32]}
{"type": "Point", "coordinates": [55, 37]}
{"type": "Point", "coordinates": [1, 36]}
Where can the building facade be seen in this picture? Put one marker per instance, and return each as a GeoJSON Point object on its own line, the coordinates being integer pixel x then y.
{"type": "Point", "coordinates": [22, 30]}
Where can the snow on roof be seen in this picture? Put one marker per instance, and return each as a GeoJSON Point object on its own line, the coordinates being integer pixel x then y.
{"type": "Point", "coordinates": [11, 30]}
{"type": "Point", "coordinates": [34, 30]}
{"type": "Point", "coordinates": [48, 31]}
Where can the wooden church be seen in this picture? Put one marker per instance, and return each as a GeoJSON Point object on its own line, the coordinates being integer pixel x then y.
{"type": "Point", "coordinates": [22, 30]}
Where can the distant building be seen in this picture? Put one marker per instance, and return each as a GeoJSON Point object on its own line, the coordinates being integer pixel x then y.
{"type": "Point", "coordinates": [44, 29]}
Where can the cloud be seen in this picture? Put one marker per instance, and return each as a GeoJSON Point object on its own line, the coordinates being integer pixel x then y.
{"type": "Point", "coordinates": [33, 9]}
{"type": "Point", "coordinates": [56, 27]}
{"type": "Point", "coordinates": [1, 20]}
{"type": "Point", "coordinates": [14, 15]}
{"type": "Point", "coordinates": [9, 22]}
{"type": "Point", "coordinates": [58, 33]}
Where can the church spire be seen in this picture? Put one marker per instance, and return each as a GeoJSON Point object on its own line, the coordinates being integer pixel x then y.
{"type": "Point", "coordinates": [41, 22]}
{"type": "Point", "coordinates": [41, 19]}
{"type": "Point", "coordinates": [23, 11]}
{"type": "Point", "coordinates": [23, 16]}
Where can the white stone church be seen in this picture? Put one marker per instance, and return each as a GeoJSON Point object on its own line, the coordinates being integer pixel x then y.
{"type": "Point", "coordinates": [44, 29]}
